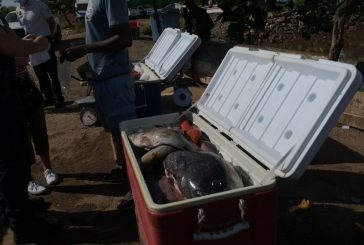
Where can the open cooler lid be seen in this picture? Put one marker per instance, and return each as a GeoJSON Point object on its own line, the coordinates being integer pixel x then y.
{"type": "Point", "coordinates": [171, 51]}
{"type": "Point", "coordinates": [160, 49]}
{"type": "Point", "coordinates": [278, 107]}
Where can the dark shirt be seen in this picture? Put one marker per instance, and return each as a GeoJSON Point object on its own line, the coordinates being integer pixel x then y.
{"type": "Point", "coordinates": [199, 22]}
{"type": "Point", "coordinates": [7, 66]}
{"type": "Point", "coordinates": [15, 144]}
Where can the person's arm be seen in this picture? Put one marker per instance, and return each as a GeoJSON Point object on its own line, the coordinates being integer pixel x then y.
{"type": "Point", "coordinates": [187, 20]}
{"type": "Point", "coordinates": [120, 40]}
{"type": "Point", "coordinates": [52, 25]}
{"type": "Point", "coordinates": [46, 13]}
{"type": "Point", "coordinates": [116, 13]}
{"type": "Point", "coordinates": [13, 46]}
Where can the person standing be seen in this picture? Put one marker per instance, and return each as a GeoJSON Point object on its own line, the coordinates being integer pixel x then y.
{"type": "Point", "coordinates": [107, 38]}
{"type": "Point", "coordinates": [37, 126]}
{"type": "Point", "coordinates": [197, 20]}
{"type": "Point", "coordinates": [37, 19]}
{"type": "Point", "coordinates": [16, 153]}
{"type": "Point", "coordinates": [38, 130]}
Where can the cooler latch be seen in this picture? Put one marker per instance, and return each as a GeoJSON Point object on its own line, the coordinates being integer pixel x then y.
{"type": "Point", "coordinates": [233, 228]}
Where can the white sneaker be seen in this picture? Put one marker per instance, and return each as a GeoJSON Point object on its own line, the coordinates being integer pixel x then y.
{"type": "Point", "coordinates": [51, 177]}
{"type": "Point", "coordinates": [35, 188]}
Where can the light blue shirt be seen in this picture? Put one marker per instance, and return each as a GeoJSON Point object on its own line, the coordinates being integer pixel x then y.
{"type": "Point", "coordinates": [101, 17]}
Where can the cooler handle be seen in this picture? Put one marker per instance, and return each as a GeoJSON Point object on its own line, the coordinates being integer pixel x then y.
{"type": "Point", "coordinates": [242, 224]}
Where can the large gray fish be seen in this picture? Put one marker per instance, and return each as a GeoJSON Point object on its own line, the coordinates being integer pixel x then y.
{"type": "Point", "coordinates": [159, 142]}
{"type": "Point", "coordinates": [199, 173]}
{"type": "Point", "coordinates": [161, 136]}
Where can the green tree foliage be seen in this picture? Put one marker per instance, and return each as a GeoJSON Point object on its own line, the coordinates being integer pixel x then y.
{"type": "Point", "coordinates": [298, 2]}
{"type": "Point", "coordinates": [242, 14]}
{"type": "Point", "coordinates": [319, 15]}
{"type": "Point", "coordinates": [4, 10]}
{"type": "Point", "coordinates": [61, 6]}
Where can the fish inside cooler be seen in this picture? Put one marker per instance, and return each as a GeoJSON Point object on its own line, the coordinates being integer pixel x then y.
{"type": "Point", "coordinates": [179, 161]}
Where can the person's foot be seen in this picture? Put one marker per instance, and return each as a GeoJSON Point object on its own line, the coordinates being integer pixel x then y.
{"type": "Point", "coordinates": [35, 188]}
{"type": "Point", "coordinates": [51, 177]}
{"type": "Point", "coordinates": [38, 229]}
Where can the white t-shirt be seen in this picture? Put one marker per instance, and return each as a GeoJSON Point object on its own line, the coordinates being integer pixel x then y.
{"type": "Point", "coordinates": [39, 58]}
{"type": "Point", "coordinates": [33, 16]}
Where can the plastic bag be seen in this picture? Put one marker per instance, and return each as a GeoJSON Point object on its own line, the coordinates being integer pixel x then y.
{"type": "Point", "coordinates": [64, 75]}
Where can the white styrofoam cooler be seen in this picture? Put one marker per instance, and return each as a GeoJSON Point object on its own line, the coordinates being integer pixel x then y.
{"type": "Point", "coordinates": [268, 113]}
{"type": "Point", "coordinates": [168, 55]}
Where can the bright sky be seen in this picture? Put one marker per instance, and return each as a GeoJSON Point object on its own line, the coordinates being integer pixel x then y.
{"type": "Point", "coordinates": [8, 2]}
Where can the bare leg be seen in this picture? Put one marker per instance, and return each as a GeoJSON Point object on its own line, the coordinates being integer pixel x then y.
{"type": "Point", "coordinates": [117, 153]}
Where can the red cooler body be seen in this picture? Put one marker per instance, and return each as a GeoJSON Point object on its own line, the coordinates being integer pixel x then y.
{"type": "Point", "coordinates": [267, 113]}
{"type": "Point", "coordinates": [223, 224]}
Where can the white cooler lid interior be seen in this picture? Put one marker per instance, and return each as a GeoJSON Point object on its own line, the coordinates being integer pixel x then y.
{"type": "Point", "coordinates": [171, 51]}
{"type": "Point", "coordinates": [278, 105]}
{"type": "Point", "coordinates": [160, 49]}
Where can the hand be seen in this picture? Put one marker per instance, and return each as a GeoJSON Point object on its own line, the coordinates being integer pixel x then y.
{"type": "Point", "coordinates": [135, 74]}
{"type": "Point", "coordinates": [17, 47]}
{"type": "Point", "coordinates": [73, 53]}
{"type": "Point", "coordinates": [29, 37]}
{"type": "Point", "coordinates": [38, 39]}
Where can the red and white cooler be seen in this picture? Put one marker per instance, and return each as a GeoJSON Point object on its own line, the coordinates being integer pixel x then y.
{"type": "Point", "coordinates": [268, 113]}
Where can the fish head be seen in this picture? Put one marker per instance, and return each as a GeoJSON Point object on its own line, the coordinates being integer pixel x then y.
{"type": "Point", "coordinates": [141, 140]}
{"type": "Point", "coordinates": [201, 184]}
